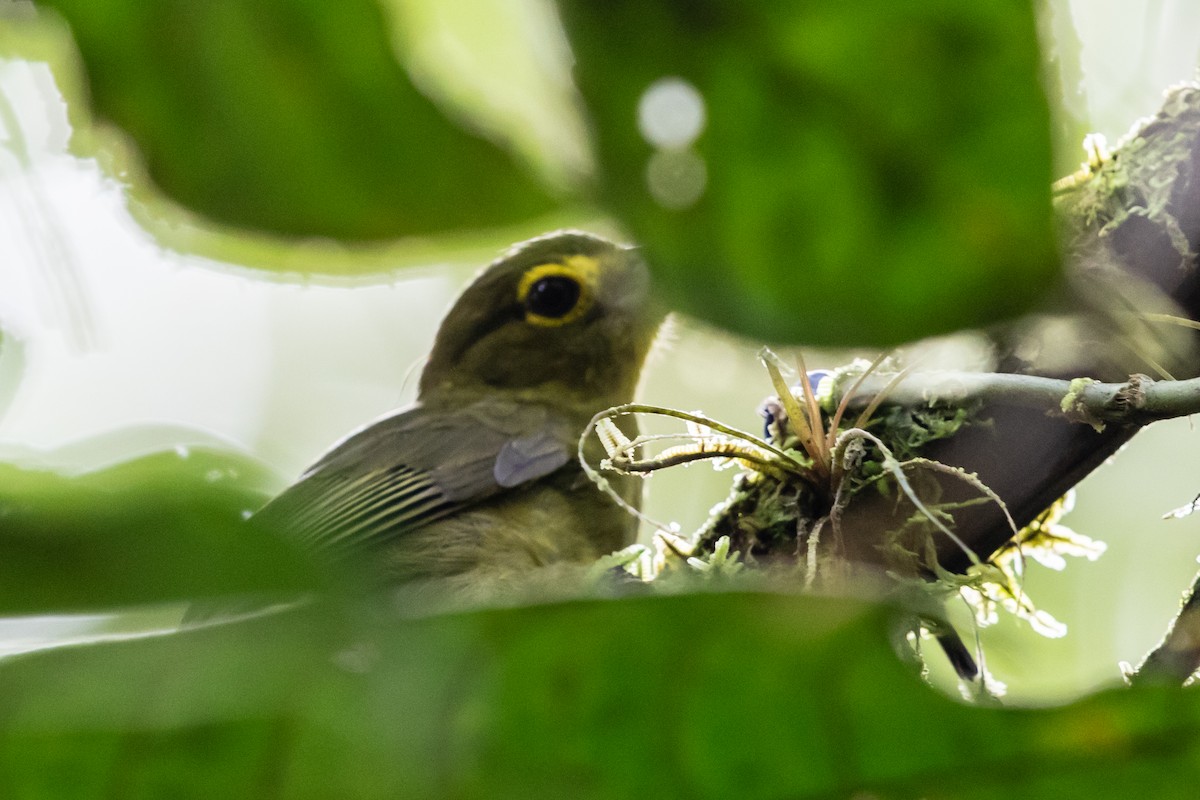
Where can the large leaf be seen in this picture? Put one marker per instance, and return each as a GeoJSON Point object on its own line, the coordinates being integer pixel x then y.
{"type": "Point", "coordinates": [698, 696]}
{"type": "Point", "coordinates": [868, 172]}
{"type": "Point", "coordinates": [290, 117]}
{"type": "Point", "coordinates": [162, 528]}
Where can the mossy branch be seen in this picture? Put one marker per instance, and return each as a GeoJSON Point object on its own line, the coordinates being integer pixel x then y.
{"type": "Point", "coordinates": [1130, 221]}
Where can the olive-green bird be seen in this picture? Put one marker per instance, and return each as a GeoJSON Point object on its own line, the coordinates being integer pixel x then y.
{"type": "Point", "coordinates": [480, 474]}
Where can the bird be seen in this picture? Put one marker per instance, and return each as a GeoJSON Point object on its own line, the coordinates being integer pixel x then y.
{"type": "Point", "coordinates": [480, 475]}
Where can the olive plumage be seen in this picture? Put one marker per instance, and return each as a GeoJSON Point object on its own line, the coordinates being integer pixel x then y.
{"type": "Point", "coordinates": [480, 474]}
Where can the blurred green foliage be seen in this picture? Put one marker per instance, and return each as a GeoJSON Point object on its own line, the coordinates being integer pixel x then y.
{"type": "Point", "coordinates": [861, 172]}
{"type": "Point", "coordinates": [290, 116]}
{"type": "Point", "coordinates": [873, 168]}
{"type": "Point", "coordinates": [162, 528]}
{"type": "Point", "coordinates": [869, 171]}
{"type": "Point", "coordinates": [719, 695]}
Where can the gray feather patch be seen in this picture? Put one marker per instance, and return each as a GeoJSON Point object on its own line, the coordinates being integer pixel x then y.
{"type": "Point", "coordinates": [528, 458]}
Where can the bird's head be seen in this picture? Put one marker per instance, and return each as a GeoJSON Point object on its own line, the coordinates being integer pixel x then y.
{"type": "Point", "coordinates": [568, 313]}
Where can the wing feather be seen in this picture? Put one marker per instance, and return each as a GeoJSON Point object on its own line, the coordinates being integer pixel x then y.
{"type": "Point", "coordinates": [416, 466]}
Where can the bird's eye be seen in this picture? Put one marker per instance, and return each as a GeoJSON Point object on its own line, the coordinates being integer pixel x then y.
{"type": "Point", "coordinates": [558, 293]}
{"type": "Point", "coordinates": [552, 297]}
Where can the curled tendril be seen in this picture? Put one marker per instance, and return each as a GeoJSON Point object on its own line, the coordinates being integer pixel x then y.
{"type": "Point", "coordinates": [816, 454]}
{"type": "Point", "coordinates": [726, 443]}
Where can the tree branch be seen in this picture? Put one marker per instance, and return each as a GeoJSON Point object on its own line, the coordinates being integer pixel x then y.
{"type": "Point", "coordinates": [1177, 657]}
{"type": "Point", "coordinates": [1132, 230]}
{"type": "Point", "coordinates": [1138, 401]}
{"type": "Point", "coordinates": [1131, 227]}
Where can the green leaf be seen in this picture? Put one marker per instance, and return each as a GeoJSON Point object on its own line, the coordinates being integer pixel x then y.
{"type": "Point", "coordinates": [290, 117]}
{"type": "Point", "coordinates": [162, 528]}
{"type": "Point", "coordinates": [867, 172]}
{"type": "Point", "coordinates": [722, 695]}
{"type": "Point", "coordinates": [12, 366]}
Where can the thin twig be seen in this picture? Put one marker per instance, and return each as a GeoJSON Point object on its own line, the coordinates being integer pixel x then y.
{"type": "Point", "coordinates": [1177, 656]}
{"type": "Point", "coordinates": [850, 394]}
{"type": "Point", "coordinates": [893, 466]}
{"type": "Point", "coordinates": [882, 395]}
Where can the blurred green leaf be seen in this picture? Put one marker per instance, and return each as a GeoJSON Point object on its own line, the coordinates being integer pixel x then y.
{"type": "Point", "coordinates": [290, 117]}
{"type": "Point", "coordinates": [506, 66]}
{"type": "Point", "coordinates": [161, 528]}
{"type": "Point", "coordinates": [1065, 82]}
{"type": "Point", "coordinates": [867, 172]}
{"type": "Point", "coordinates": [12, 366]}
{"type": "Point", "coordinates": [698, 696]}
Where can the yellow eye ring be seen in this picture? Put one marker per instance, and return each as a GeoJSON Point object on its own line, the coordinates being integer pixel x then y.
{"type": "Point", "coordinates": [558, 294]}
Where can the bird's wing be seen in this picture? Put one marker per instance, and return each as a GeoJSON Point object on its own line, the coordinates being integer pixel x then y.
{"type": "Point", "coordinates": [416, 466]}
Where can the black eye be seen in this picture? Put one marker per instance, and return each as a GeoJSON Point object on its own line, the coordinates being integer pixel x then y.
{"type": "Point", "coordinates": [552, 297]}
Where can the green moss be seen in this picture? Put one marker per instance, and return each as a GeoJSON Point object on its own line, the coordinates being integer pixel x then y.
{"type": "Point", "coordinates": [1138, 178]}
{"type": "Point", "coordinates": [767, 517]}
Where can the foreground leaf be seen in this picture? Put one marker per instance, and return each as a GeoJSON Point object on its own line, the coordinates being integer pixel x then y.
{"type": "Point", "coordinates": [865, 172]}
{"type": "Point", "coordinates": [289, 117]}
{"type": "Point", "coordinates": [692, 696]}
{"type": "Point", "coordinates": [162, 528]}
